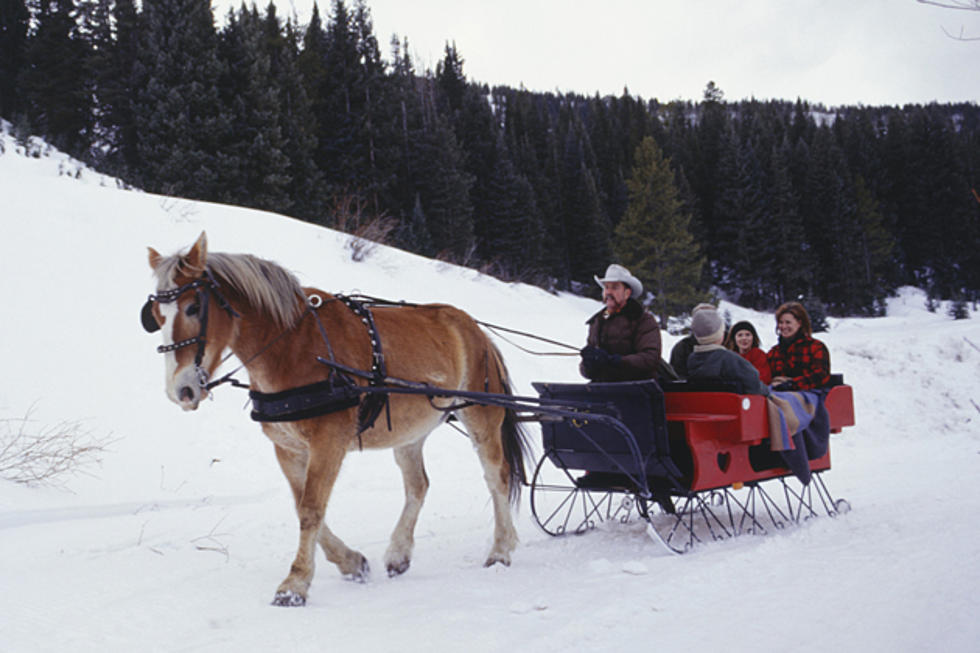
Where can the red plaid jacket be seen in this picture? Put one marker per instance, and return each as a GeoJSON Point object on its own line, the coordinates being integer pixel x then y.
{"type": "Point", "coordinates": [805, 360]}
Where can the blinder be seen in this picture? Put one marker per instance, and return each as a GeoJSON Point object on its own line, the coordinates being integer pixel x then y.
{"type": "Point", "coordinates": [150, 323]}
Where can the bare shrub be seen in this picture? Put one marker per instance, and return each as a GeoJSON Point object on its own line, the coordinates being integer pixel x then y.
{"type": "Point", "coordinates": [366, 231]}
{"type": "Point", "coordinates": [211, 542]}
{"type": "Point", "coordinates": [466, 259]}
{"type": "Point", "coordinates": [46, 455]}
{"type": "Point", "coordinates": [516, 272]}
{"type": "Point", "coordinates": [181, 210]}
{"type": "Point", "coordinates": [369, 235]}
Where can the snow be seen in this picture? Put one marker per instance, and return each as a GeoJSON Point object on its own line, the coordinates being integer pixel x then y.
{"type": "Point", "coordinates": [178, 539]}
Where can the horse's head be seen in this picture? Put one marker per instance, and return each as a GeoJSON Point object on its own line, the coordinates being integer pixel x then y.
{"type": "Point", "coordinates": [195, 319]}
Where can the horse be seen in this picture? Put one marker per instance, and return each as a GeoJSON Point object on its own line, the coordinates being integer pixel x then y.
{"type": "Point", "coordinates": [208, 303]}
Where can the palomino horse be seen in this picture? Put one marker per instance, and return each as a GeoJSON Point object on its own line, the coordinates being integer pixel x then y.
{"type": "Point", "coordinates": [277, 328]}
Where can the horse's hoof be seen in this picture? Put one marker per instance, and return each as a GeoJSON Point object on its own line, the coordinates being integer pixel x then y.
{"type": "Point", "coordinates": [361, 574]}
{"type": "Point", "coordinates": [495, 559]}
{"type": "Point", "coordinates": [289, 599]}
{"type": "Point", "coordinates": [398, 568]}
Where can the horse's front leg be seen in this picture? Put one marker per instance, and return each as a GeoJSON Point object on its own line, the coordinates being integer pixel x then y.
{"type": "Point", "coordinates": [323, 462]}
{"type": "Point", "coordinates": [409, 459]}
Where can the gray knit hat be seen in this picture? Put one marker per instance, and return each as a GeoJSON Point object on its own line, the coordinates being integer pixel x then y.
{"type": "Point", "coordinates": [707, 326]}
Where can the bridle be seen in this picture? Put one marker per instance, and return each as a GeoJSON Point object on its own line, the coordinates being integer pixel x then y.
{"type": "Point", "coordinates": [203, 287]}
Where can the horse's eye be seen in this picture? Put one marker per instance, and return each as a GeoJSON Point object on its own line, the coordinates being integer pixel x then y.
{"type": "Point", "coordinates": [192, 310]}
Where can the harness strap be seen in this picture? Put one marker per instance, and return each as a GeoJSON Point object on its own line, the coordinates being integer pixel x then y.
{"type": "Point", "coordinates": [372, 404]}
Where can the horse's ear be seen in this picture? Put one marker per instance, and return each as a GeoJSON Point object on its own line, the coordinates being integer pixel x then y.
{"type": "Point", "coordinates": [197, 258]}
{"type": "Point", "coordinates": [154, 258]}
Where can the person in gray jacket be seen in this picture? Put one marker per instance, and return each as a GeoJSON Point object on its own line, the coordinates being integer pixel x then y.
{"type": "Point", "coordinates": [685, 346]}
{"type": "Point", "coordinates": [710, 360]}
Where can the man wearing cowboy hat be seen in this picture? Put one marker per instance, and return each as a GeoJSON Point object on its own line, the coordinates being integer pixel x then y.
{"type": "Point", "coordinates": [624, 338]}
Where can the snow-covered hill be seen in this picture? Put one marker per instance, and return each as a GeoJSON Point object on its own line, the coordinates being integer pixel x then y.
{"type": "Point", "coordinates": [179, 538]}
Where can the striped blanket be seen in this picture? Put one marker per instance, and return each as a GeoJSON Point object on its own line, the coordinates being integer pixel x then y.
{"type": "Point", "coordinates": [799, 429]}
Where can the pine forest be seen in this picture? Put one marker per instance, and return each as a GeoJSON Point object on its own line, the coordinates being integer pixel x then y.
{"type": "Point", "coordinates": [760, 201]}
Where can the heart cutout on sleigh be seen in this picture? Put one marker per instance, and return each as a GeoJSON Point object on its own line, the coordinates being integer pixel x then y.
{"type": "Point", "coordinates": [724, 460]}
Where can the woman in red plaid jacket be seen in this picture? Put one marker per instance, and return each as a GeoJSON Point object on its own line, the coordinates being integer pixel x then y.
{"type": "Point", "coordinates": [798, 361]}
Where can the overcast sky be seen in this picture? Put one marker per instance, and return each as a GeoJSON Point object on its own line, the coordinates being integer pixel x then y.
{"type": "Point", "coordinates": [869, 52]}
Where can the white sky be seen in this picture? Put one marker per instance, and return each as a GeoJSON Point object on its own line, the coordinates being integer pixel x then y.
{"type": "Point", "coordinates": [836, 52]}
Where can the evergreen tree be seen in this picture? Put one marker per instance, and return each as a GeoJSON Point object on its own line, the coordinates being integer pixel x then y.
{"type": "Point", "coordinates": [958, 309]}
{"type": "Point", "coordinates": [585, 227]}
{"type": "Point", "coordinates": [653, 239]}
{"type": "Point", "coordinates": [182, 124]}
{"type": "Point", "coordinates": [14, 18]}
{"type": "Point", "coordinates": [610, 140]}
{"type": "Point", "coordinates": [414, 234]}
{"type": "Point", "coordinates": [378, 111]}
{"type": "Point", "coordinates": [740, 259]}
{"type": "Point", "coordinates": [252, 95]}
{"type": "Point", "coordinates": [345, 78]}
{"type": "Point", "coordinates": [55, 83]}
{"type": "Point", "coordinates": [341, 153]}
{"type": "Point", "coordinates": [295, 117]}
{"type": "Point", "coordinates": [875, 249]}
{"type": "Point", "coordinates": [832, 228]}
{"type": "Point", "coordinates": [472, 120]}
{"type": "Point", "coordinates": [511, 233]}
{"type": "Point", "coordinates": [451, 81]}
{"type": "Point", "coordinates": [93, 19]}
{"type": "Point", "coordinates": [712, 124]}
{"type": "Point", "coordinates": [443, 186]}
{"type": "Point", "coordinates": [531, 133]}
{"type": "Point", "coordinates": [785, 241]}
{"type": "Point", "coordinates": [113, 68]}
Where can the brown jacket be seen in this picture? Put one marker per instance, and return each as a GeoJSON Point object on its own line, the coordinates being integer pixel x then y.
{"type": "Point", "coordinates": [634, 334]}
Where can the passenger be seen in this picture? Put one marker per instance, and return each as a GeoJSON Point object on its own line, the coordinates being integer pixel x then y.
{"type": "Point", "coordinates": [710, 360]}
{"type": "Point", "coordinates": [798, 361]}
{"type": "Point", "coordinates": [683, 348]}
{"type": "Point", "coordinates": [624, 338]}
{"type": "Point", "coordinates": [744, 341]}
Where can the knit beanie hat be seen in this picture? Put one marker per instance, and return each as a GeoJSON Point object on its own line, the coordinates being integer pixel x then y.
{"type": "Point", "coordinates": [707, 326]}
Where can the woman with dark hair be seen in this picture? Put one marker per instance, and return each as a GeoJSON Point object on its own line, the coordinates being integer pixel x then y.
{"type": "Point", "coordinates": [744, 341]}
{"type": "Point", "coordinates": [798, 361]}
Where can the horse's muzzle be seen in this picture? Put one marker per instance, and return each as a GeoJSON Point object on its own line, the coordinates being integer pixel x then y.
{"type": "Point", "coordinates": [187, 390]}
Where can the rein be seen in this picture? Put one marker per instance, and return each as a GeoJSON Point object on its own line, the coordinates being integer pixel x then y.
{"type": "Point", "coordinates": [494, 328]}
{"type": "Point", "coordinates": [338, 391]}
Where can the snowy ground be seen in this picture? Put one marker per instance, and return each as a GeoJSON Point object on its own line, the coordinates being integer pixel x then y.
{"type": "Point", "coordinates": [177, 541]}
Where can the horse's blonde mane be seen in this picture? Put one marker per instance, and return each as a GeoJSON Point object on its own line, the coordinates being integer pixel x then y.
{"type": "Point", "coordinates": [267, 286]}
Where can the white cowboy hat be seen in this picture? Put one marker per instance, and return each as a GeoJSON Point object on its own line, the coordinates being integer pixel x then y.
{"type": "Point", "coordinates": [616, 272]}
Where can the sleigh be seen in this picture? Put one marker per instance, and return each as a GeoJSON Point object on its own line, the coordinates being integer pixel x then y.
{"type": "Point", "coordinates": [692, 460]}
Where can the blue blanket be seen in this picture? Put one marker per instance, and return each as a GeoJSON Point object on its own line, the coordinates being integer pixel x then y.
{"type": "Point", "coordinates": [799, 429]}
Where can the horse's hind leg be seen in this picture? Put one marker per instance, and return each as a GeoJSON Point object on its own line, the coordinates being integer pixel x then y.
{"type": "Point", "coordinates": [409, 459]}
{"type": "Point", "coordinates": [483, 424]}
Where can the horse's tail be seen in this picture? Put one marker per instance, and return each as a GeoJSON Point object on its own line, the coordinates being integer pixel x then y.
{"type": "Point", "coordinates": [513, 437]}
